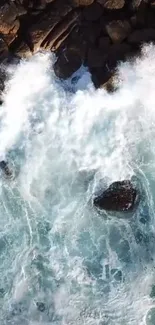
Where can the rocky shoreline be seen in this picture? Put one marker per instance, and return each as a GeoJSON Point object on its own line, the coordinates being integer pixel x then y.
{"type": "Point", "coordinates": [97, 33]}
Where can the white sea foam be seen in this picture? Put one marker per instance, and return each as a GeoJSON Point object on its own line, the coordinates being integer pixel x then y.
{"type": "Point", "coordinates": [65, 139]}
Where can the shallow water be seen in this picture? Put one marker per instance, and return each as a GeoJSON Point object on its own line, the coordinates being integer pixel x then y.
{"type": "Point", "coordinates": [61, 261]}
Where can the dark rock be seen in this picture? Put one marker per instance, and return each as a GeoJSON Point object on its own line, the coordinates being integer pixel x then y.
{"type": "Point", "coordinates": [104, 43]}
{"type": "Point", "coordinates": [117, 52]}
{"type": "Point", "coordinates": [5, 168]}
{"type": "Point", "coordinates": [101, 75]}
{"type": "Point", "coordinates": [67, 63]}
{"type": "Point", "coordinates": [93, 12]}
{"type": "Point", "coordinates": [90, 32]}
{"type": "Point", "coordinates": [142, 35]}
{"type": "Point", "coordinates": [78, 3]}
{"type": "Point", "coordinates": [40, 306]}
{"type": "Point", "coordinates": [112, 4]}
{"type": "Point", "coordinates": [118, 30]}
{"type": "Point", "coordinates": [95, 58]}
{"type": "Point", "coordinates": [4, 50]}
{"type": "Point", "coordinates": [120, 196]}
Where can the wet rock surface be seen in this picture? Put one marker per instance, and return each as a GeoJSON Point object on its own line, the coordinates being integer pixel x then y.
{"type": "Point", "coordinates": [120, 196]}
{"type": "Point", "coordinates": [102, 32]}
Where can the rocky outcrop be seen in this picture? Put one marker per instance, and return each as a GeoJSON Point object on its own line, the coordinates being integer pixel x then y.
{"type": "Point", "coordinates": [120, 196]}
{"type": "Point", "coordinates": [97, 33]}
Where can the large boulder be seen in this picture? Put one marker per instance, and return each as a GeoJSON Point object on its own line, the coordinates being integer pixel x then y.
{"type": "Point", "coordinates": [120, 196]}
{"type": "Point", "coordinates": [67, 63]}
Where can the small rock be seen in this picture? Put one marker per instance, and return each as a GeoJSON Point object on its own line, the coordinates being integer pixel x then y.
{"type": "Point", "coordinates": [118, 30]}
{"type": "Point", "coordinates": [5, 168]}
{"type": "Point", "coordinates": [40, 306]}
{"type": "Point", "coordinates": [120, 196]}
{"type": "Point", "coordinates": [93, 12]}
{"type": "Point", "coordinates": [142, 35]}
{"type": "Point", "coordinates": [67, 63]}
{"type": "Point", "coordinates": [112, 4]}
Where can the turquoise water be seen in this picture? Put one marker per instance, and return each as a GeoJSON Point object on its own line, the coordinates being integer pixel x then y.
{"type": "Point", "coordinates": [62, 262]}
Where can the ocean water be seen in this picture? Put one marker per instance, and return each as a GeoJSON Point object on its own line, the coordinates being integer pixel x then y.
{"type": "Point", "coordinates": [61, 261]}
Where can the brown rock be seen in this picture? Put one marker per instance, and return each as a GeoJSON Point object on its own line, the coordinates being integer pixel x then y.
{"type": "Point", "coordinates": [118, 30]}
{"type": "Point", "coordinates": [120, 196]}
{"type": "Point", "coordinates": [112, 4]}
{"type": "Point", "coordinates": [60, 32]}
{"type": "Point", "coordinates": [95, 58]}
{"type": "Point", "coordinates": [142, 35]}
{"type": "Point", "coordinates": [67, 63]}
{"type": "Point", "coordinates": [93, 12]}
{"type": "Point", "coordinates": [39, 31]}
{"type": "Point", "coordinates": [78, 3]}
{"type": "Point", "coordinates": [9, 25]}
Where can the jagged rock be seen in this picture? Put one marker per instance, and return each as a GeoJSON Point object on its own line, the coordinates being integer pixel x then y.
{"type": "Point", "coordinates": [112, 4]}
{"type": "Point", "coordinates": [93, 12]}
{"type": "Point", "coordinates": [120, 196]}
{"type": "Point", "coordinates": [60, 32]}
{"type": "Point", "coordinates": [67, 63]}
{"type": "Point", "coordinates": [78, 3]}
{"type": "Point", "coordinates": [40, 31]}
{"type": "Point", "coordinates": [9, 25]}
{"type": "Point", "coordinates": [142, 35]}
{"type": "Point", "coordinates": [118, 30]}
{"type": "Point", "coordinates": [95, 58]}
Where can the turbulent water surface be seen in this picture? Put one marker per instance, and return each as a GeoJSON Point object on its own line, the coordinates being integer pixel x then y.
{"type": "Point", "coordinates": [61, 261]}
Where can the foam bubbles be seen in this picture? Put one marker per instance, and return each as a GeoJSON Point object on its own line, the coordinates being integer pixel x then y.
{"type": "Point", "coordinates": [66, 139]}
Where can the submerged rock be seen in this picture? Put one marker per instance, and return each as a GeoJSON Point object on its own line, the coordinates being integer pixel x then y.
{"type": "Point", "coordinates": [5, 168]}
{"type": "Point", "coordinates": [120, 196]}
